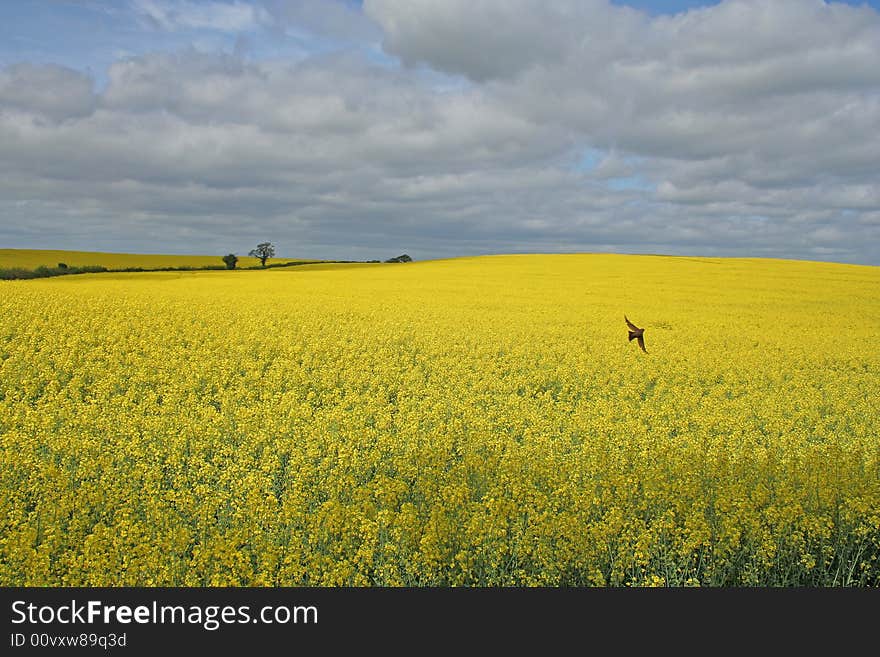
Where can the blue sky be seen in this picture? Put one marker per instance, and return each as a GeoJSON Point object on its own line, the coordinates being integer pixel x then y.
{"type": "Point", "coordinates": [343, 129]}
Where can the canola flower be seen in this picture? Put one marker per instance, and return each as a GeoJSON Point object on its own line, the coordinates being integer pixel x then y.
{"type": "Point", "coordinates": [33, 258]}
{"type": "Point", "coordinates": [474, 421]}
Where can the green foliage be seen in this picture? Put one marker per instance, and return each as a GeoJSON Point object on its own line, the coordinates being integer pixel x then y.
{"type": "Point", "coordinates": [17, 273]}
{"type": "Point", "coordinates": [231, 260]}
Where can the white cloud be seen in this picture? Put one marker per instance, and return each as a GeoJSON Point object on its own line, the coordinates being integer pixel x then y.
{"type": "Point", "coordinates": [485, 39]}
{"type": "Point", "coordinates": [46, 91]}
{"type": "Point", "coordinates": [747, 128]}
{"type": "Point", "coordinates": [334, 19]}
{"type": "Point", "coordinates": [234, 16]}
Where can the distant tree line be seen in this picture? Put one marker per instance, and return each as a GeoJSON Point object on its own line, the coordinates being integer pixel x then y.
{"type": "Point", "coordinates": [43, 272]}
{"type": "Point", "coordinates": [266, 250]}
{"type": "Point", "coordinates": [263, 252]}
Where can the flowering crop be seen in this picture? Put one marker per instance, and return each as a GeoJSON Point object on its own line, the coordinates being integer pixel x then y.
{"type": "Point", "coordinates": [31, 259]}
{"type": "Point", "coordinates": [475, 421]}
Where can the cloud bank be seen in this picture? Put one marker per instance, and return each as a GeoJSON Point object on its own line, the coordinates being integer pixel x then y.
{"type": "Point", "coordinates": [440, 129]}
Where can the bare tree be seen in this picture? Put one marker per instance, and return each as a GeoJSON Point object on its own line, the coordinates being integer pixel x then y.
{"type": "Point", "coordinates": [263, 251]}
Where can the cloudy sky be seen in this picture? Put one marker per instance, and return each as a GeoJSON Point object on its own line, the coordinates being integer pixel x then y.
{"type": "Point", "coordinates": [340, 129]}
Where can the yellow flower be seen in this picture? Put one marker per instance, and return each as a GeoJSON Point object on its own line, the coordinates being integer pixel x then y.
{"type": "Point", "coordinates": [475, 421]}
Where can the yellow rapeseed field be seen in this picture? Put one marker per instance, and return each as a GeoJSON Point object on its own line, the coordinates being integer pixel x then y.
{"type": "Point", "coordinates": [474, 421]}
{"type": "Point", "coordinates": [31, 259]}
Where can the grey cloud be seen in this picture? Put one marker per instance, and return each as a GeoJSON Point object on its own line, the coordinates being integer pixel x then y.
{"type": "Point", "coordinates": [698, 84]}
{"type": "Point", "coordinates": [46, 90]}
{"type": "Point", "coordinates": [735, 142]}
{"type": "Point", "coordinates": [485, 39]}
{"type": "Point", "coordinates": [333, 112]}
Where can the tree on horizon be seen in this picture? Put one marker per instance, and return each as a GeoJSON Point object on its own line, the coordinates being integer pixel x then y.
{"type": "Point", "coordinates": [264, 251]}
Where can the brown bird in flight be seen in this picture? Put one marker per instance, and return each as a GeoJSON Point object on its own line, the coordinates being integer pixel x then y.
{"type": "Point", "coordinates": [637, 333]}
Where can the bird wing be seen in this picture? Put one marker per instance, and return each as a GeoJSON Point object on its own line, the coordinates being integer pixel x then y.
{"type": "Point", "coordinates": [631, 325]}
{"type": "Point", "coordinates": [641, 342]}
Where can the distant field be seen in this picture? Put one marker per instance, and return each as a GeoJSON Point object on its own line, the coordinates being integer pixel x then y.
{"type": "Point", "coordinates": [31, 259]}
{"type": "Point", "coordinates": [472, 421]}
